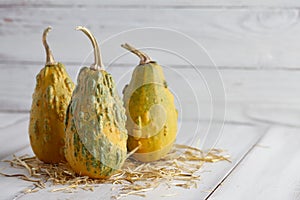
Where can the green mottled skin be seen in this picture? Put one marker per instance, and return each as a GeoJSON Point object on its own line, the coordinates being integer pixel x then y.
{"type": "Point", "coordinates": [50, 101]}
{"type": "Point", "coordinates": [151, 113]}
{"type": "Point", "coordinates": [96, 133]}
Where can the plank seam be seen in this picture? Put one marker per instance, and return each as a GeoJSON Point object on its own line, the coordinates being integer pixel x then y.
{"type": "Point", "coordinates": [220, 67]}
{"type": "Point", "coordinates": [238, 163]}
{"type": "Point", "coordinates": [134, 6]}
{"type": "Point", "coordinates": [23, 119]}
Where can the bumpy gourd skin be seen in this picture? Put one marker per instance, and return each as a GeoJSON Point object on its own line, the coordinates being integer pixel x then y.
{"type": "Point", "coordinates": [48, 112]}
{"type": "Point", "coordinates": [151, 113]}
{"type": "Point", "coordinates": [96, 134]}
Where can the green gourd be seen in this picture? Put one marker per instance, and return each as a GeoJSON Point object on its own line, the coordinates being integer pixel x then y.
{"type": "Point", "coordinates": [150, 109]}
{"type": "Point", "coordinates": [95, 135]}
{"type": "Point", "coordinates": [50, 100]}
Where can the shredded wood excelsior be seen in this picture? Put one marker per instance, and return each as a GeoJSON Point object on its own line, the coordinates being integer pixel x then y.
{"type": "Point", "coordinates": [179, 168]}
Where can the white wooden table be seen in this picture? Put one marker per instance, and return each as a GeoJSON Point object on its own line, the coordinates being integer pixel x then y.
{"type": "Point", "coordinates": [255, 45]}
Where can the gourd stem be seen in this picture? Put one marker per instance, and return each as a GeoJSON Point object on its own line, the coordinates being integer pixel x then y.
{"type": "Point", "coordinates": [98, 65]}
{"type": "Point", "coordinates": [144, 57]}
{"type": "Point", "coordinates": [49, 56]}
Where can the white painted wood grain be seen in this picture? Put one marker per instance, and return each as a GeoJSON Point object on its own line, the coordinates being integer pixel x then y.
{"type": "Point", "coordinates": [14, 137]}
{"type": "Point", "coordinates": [270, 171]}
{"type": "Point", "coordinates": [244, 89]}
{"type": "Point", "coordinates": [241, 38]}
{"type": "Point", "coordinates": [9, 119]}
{"type": "Point", "coordinates": [157, 3]}
{"type": "Point", "coordinates": [14, 187]}
{"type": "Point", "coordinates": [284, 115]}
{"type": "Point", "coordinates": [236, 139]}
{"type": "Point", "coordinates": [249, 38]}
{"type": "Point", "coordinates": [192, 95]}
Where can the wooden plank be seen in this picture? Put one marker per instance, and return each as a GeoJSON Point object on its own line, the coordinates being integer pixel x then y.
{"type": "Point", "coordinates": [191, 92]}
{"type": "Point", "coordinates": [156, 3]}
{"type": "Point", "coordinates": [270, 171]}
{"type": "Point", "coordinates": [9, 119]}
{"type": "Point", "coordinates": [244, 89]}
{"type": "Point", "coordinates": [14, 137]}
{"type": "Point", "coordinates": [241, 38]}
{"type": "Point", "coordinates": [14, 187]}
{"type": "Point", "coordinates": [283, 115]}
{"type": "Point", "coordinates": [236, 139]}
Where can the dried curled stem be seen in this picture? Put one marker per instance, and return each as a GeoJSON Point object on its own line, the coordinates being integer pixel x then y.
{"type": "Point", "coordinates": [49, 56]}
{"type": "Point", "coordinates": [144, 58]}
{"type": "Point", "coordinates": [98, 65]}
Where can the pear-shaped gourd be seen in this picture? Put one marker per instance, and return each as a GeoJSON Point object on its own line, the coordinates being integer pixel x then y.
{"type": "Point", "coordinates": [150, 109]}
{"type": "Point", "coordinates": [96, 133]}
{"type": "Point", "coordinates": [50, 101]}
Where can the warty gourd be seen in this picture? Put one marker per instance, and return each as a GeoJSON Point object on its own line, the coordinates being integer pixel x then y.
{"type": "Point", "coordinates": [150, 109]}
{"type": "Point", "coordinates": [50, 101]}
{"type": "Point", "coordinates": [96, 133]}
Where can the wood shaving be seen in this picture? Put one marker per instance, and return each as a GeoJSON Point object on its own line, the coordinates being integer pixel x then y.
{"type": "Point", "coordinates": [180, 168]}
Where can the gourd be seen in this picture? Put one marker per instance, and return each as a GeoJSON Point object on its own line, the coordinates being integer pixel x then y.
{"type": "Point", "coordinates": [150, 109]}
{"type": "Point", "coordinates": [50, 101]}
{"type": "Point", "coordinates": [95, 135]}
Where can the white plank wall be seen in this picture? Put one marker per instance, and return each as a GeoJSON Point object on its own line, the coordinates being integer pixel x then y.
{"type": "Point", "coordinates": [255, 46]}
{"type": "Point", "coordinates": [263, 40]}
{"type": "Point", "coordinates": [250, 38]}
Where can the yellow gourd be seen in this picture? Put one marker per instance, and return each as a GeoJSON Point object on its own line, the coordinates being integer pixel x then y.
{"type": "Point", "coordinates": [95, 135]}
{"type": "Point", "coordinates": [150, 109]}
{"type": "Point", "coordinates": [48, 111]}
